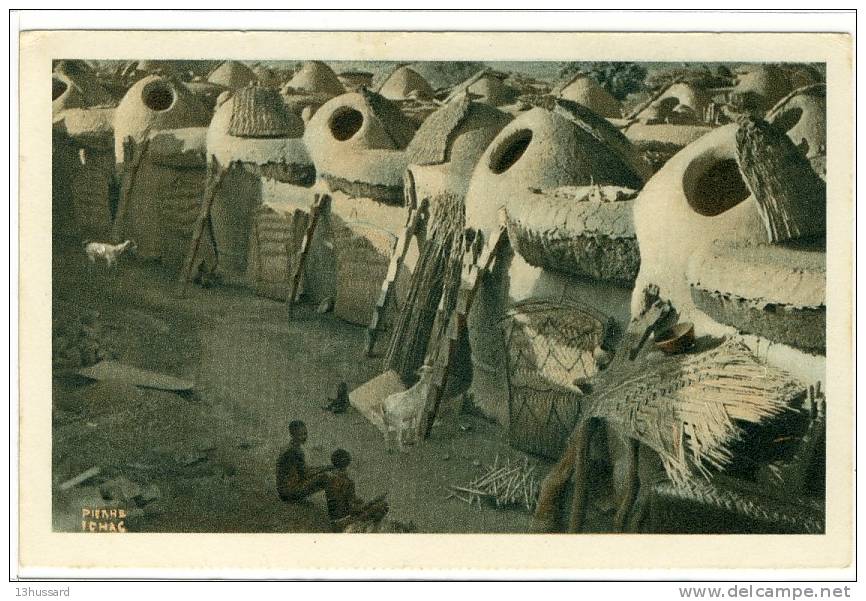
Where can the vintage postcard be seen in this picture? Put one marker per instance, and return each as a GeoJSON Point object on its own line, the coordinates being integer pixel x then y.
{"type": "Point", "coordinates": [298, 300]}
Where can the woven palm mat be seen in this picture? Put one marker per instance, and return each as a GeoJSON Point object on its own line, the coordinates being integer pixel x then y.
{"type": "Point", "coordinates": [363, 252]}
{"type": "Point", "coordinates": [689, 407]}
{"type": "Point", "coordinates": [549, 345]}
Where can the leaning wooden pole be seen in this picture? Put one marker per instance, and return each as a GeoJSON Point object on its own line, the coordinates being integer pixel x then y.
{"type": "Point", "coordinates": [321, 202]}
{"type": "Point", "coordinates": [214, 182]}
{"type": "Point", "coordinates": [398, 254]}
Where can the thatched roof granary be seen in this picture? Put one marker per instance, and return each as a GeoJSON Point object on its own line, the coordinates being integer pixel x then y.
{"type": "Point", "coordinates": [256, 139]}
{"type": "Point", "coordinates": [315, 77]}
{"type": "Point", "coordinates": [405, 83]}
{"type": "Point", "coordinates": [232, 75]}
{"type": "Point", "coordinates": [584, 90]}
{"type": "Point", "coordinates": [155, 103]}
{"type": "Point", "coordinates": [356, 141]}
{"type": "Point", "coordinates": [162, 187]}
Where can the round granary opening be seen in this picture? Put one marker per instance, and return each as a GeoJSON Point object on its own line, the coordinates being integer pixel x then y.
{"type": "Point", "coordinates": [58, 87]}
{"type": "Point", "coordinates": [510, 151]}
{"type": "Point", "coordinates": [158, 96]}
{"type": "Point", "coordinates": [717, 188]}
{"type": "Point", "coordinates": [345, 123]}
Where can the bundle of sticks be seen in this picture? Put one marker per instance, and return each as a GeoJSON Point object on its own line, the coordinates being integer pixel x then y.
{"type": "Point", "coordinates": [507, 484]}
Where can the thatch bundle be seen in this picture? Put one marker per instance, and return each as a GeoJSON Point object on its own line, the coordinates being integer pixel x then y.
{"type": "Point", "coordinates": [791, 197]}
{"type": "Point", "coordinates": [689, 407]}
{"type": "Point", "coordinates": [259, 112]}
{"type": "Point", "coordinates": [435, 282]}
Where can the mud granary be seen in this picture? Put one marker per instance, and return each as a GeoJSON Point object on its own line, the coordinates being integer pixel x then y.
{"type": "Point", "coordinates": [631, 286]}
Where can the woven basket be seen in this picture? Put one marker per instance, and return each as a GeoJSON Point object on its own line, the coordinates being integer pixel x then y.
{"type": "Point", "coordinates": [549, 345]}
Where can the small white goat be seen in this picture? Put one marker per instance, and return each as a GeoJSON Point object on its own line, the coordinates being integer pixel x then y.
{"type": "Point", "coordinates": [109, 253]}
{"type": "Point", "coordinates": [401, 412]}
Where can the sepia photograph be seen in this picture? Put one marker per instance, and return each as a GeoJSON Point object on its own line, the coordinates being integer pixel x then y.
{"type": "Point", "coordinates": [324, 293]}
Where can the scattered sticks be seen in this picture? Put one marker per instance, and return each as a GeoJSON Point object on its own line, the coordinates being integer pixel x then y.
{"type": "Point", "coordinates": [509, 484]}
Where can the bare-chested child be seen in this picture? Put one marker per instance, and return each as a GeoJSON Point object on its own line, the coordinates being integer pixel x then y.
{"type": "Point", "coordinates": [345, 509]}
{"type": "Point", "coordinates": [296, 481]}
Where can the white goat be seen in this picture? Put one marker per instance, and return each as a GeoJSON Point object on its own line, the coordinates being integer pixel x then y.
{"type": "Point", "coordinates": [109, 253]}
{"type": "Point", "coordinates": [401, 412]}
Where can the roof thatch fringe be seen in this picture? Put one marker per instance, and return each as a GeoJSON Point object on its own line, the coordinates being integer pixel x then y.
{"type": "Point", "coordinates": [689, 407]}
{"type": "Point", "coordinates": [259, 112]}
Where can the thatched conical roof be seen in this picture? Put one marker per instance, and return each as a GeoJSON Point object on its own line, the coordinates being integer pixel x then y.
{"type": "Point", "coordinates": [404, 83]}
{"type": "Point", "coordinates": [259, 112]}
{"type": "Point", "coordinates": [586, 91]}
{"type": "Point", "coordinates": [232, 75]}
{"type": "Point", "coordinates": [316, 77]}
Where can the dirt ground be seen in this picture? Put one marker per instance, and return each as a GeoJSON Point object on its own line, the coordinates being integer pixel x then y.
{"type": "Point", "coordinates": [206, 459]}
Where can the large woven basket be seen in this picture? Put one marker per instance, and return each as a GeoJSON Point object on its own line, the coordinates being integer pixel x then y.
{"type": "Point", "coordinates": [550, 344]}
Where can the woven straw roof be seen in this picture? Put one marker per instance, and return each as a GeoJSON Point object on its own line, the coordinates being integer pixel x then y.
{"type": "Point", "coordinates": [259, 112]}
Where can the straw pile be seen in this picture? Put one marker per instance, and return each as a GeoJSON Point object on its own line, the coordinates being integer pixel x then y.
{"type": "Point", "coordinates": [436, 274]}
{"type": "Point", "coordinates": [259, 112]}
{"type": "Point", "coordinates": [511, 484]}
{"type": "Point", "coordinates": [688, 408]}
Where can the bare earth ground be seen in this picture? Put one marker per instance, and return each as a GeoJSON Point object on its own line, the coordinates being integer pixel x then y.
{"type": "Point", "coordinates": [211, 455]}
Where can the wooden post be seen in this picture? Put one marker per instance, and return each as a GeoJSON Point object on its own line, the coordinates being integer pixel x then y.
{"type": "Point", "coordinates": [214, 181]}
{"type": "Point", "coordinates": [321, 202]}
{"type": "Point", "coordinates": [457, 322]}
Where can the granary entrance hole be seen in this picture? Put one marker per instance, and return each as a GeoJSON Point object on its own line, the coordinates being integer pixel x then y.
{"type": "Point", "coordinates": [714, 186]}
{"type": "Point", "coordinates": [345, 123]}
{"type": "Point", "coordinates": [58, 87]}
{"type": "Point", "coordinates": [510, 151]}
{"type": "Point", "coordinates": [158, 96]}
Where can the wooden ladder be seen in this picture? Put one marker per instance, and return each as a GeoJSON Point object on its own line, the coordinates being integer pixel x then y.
{"type": "Point", "coordinates": [469, 283]}
{"type": "Point", "coordinates": [398, 254]}
{"type": "Point", "coordinates": [320, 203]}
{"type": "Point", "coordinates": [216, 175]}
